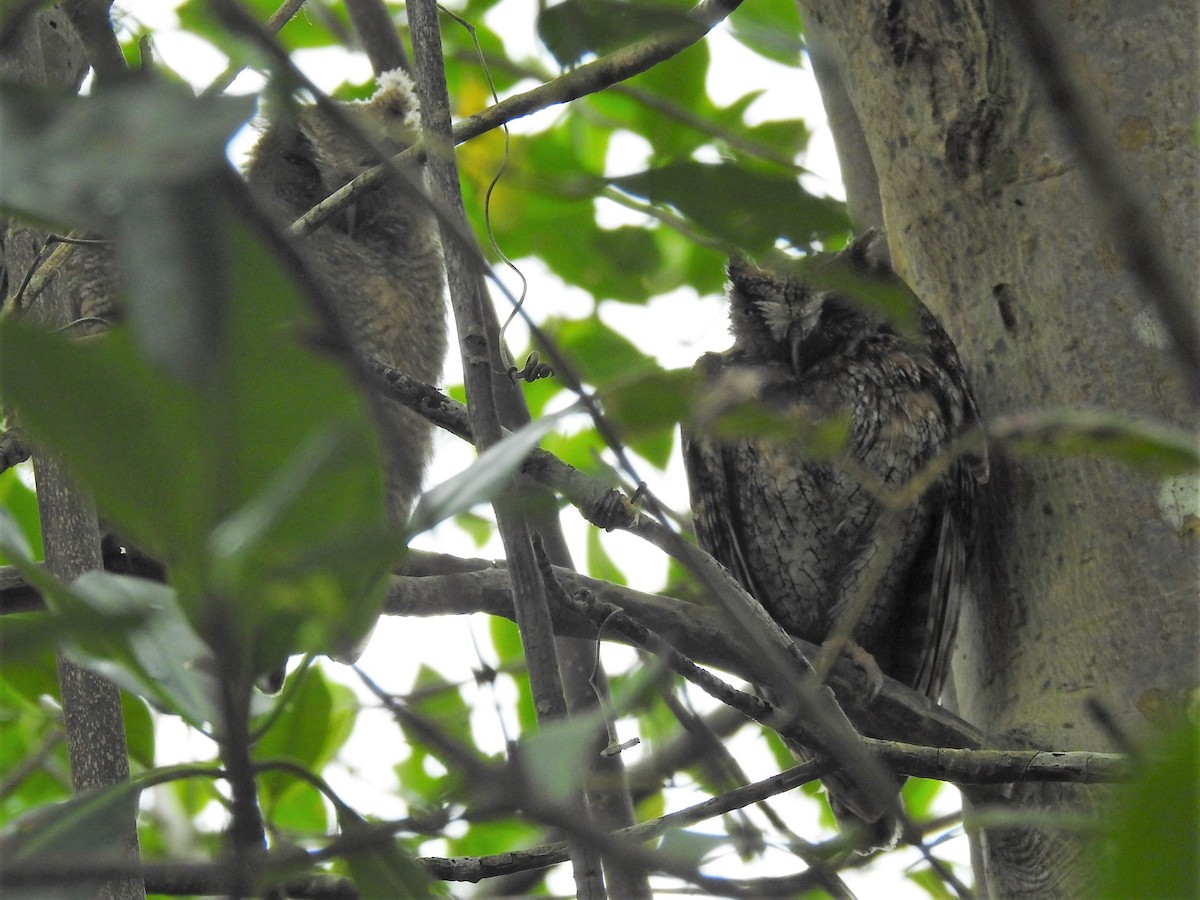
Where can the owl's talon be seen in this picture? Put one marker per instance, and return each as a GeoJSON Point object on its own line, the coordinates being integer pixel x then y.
{"type": "Point", "coordinates": [872, 674]}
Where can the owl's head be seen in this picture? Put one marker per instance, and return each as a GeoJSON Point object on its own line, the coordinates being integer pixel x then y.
{"type": "Point", "coordinates": [306, 152]}
{"type": "Point", "coordinates": [800, 312]}
{"type": "Point", "coordinates": [768, 308]}
{"type": "Point", "coordinates": [390, 120]}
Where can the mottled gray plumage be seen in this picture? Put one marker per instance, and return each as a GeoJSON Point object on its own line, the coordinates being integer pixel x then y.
{"type": "Point", "coordinates": [381, 259]}
{"type": "Point", "coordinates": [798, 533]}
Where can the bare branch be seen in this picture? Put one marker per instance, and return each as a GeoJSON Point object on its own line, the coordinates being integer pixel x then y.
{"type": "Point", "coordinates": [601, 73]}
{"type": "Point", "coordinates": [377, 33]}
{"type": "Point", "coordinates": [90, 20]}
{"type": "Point", "coordinates": [698, 632]}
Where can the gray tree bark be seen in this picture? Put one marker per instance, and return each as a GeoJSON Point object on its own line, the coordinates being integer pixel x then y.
{"type": "Point", "coordinates": [951, 140]}
{"type": "Point", "coordinates": [46, 52]}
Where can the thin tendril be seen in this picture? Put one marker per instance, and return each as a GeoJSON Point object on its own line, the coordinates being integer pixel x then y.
{"type": "Point", "coordinates": [487, 200]}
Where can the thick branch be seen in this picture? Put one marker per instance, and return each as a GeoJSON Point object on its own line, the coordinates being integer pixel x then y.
{"type": "Point", "coordinates": [898, 713]}
{"type": "Point", "coordinates": [90, 20]}
{"type": "Point", "coordinates": [468, 297]}
{"type": "Point", "coordinates": [376, 32]}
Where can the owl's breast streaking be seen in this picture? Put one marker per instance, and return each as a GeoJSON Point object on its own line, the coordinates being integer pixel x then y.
{"type": "Point", "coordinates": [801, 532]}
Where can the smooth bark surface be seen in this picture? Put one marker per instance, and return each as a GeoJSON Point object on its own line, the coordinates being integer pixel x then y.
{"type": "Point", "coordinates": [45, 52]}
{"type": "Point", "coordinates": [1089, 569]}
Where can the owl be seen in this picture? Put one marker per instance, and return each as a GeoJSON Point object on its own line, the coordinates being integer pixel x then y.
{"type": "Point", "coordinates": [381, 259]}
{"type": "Point", "coordinates": [806, 535]}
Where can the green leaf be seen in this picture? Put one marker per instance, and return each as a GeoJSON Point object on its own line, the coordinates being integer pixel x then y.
{"type": "Point", "coordinates": [650, 807]}
{"type": "Point", "coordinates": [654, 445]}
{"type": "Point", "coordinates": [28, 677]}
{"type": "Point", "coordinates": [734, 411]}
{"type": "Point", "coordinates": [679, 83]}
{"type": "Point", "coordinates": [579, 449]}
{"type": "Point", "coordinates": [640, 263]}
{"type": "Point", "coordinates": [28, 730]}
{"type": "Point", "coordinates": [786, 137]}
{"type": "Point", "coordinates": [136, 133]}
{"type": "Point", "coordinates": [887, 297]}
{"type": "Point", "coordinates": [713, 196]}
{"type": "Point", "coordinates": [1153, 835]}
{"type": "Point", "coordinates": [478, 528]}
{"type": "Point", "coordinates": [442, 702]}
{"type": "Point", "coordinates": [154, 480]}
{"type": "Point", "coordinates": [301, 31]}
{"type": "Point", "coordinates": [919, 794]}
{"type": "Point", "coordinates": [506, 640]}
{"type": "Point", "coordinates": [648, 404]}
{"type": "Point", "coordinates": [599, 563]}
{"type": "Point", "coordinates": [667, 105]}
{"type": "Point", "coordinates": [548, 189]}
{"type": "Point", "coordinates": [28, 638]}
{"type": "Point", "coordinates": [127, 629]}
{"type": "Point", "coordinates": [458, 43]}
{"type": "Point", "coordinates": [418, 785]}
{"type": "Point", "coordinates": [293, 489]}
{"type": "Point", "coordinates": [770, 28]}
{"type": "Point", "coordinates": [691, 848]}
{"type": "Point", "coordinates": [645, 404]}
{"type": "Point", "coordinates": [556, 757]}
{"type": "Point", "coordinates": [324, 560]}
{"type": "Point", "coordinates": [380, 867]}
{"type": "Point", "coordinates": [133, 632]}
{"type": "Point", "coordinates": [194, 795]}
{"type": "Point", "coordinates": [301, 566]}
{"type": "Point", "coordinates": [342, 717]}
{"type": "Point", "coordinates": [483, 479]}
{"type": "Point", "coordinates": [599, 354]}
{"type": "Point", "coordinates": [574, 29]}
{"type": "Point", "coordinates": [499, 836]}
{"type": "Point", "coordinates": [1148, 447]}
{"type": "Point", "coordinates": [139, 730]}
{"type": "Point", "coordinates": [297, 734]}
{"type": "Point", "coordinates": [299, 809]}
{"type": "Point", "coordinates": [932, 883]}
{"type": "Point", "coordinates": [21, 504]}
{"type": "Point", "coordinates": [86, 826]}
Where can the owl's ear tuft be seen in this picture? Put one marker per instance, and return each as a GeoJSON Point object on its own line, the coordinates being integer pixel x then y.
{"type": "Point", "coordinates": [740, 267]}
{"type": "Point", "coordinates": [393, 111]}
{"type": "Point", "coordinates": [869, 252]}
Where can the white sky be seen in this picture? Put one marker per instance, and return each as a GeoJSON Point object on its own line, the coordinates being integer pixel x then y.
{"type": "Point", "coordinates": [676, 328]}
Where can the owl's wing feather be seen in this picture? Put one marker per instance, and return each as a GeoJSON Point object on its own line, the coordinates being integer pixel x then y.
{"type": "Point", "coordinates": [952, 584]}
{"type": "Point", "coordinates": [949, 584]}
{"type": "Point", "coordinates": [713, 505]}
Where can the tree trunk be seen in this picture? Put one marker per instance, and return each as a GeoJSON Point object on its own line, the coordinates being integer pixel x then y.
{"type": "Point", "coordinates": [45, 52]}
{"type": "Point", "coordinates": [950, 140]}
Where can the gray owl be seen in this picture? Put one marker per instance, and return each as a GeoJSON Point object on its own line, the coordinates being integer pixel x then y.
{"type": "Point", "coordinates": [797, 532]}
{"type": "Point", "coordinates": [381, 259]}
